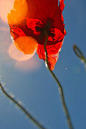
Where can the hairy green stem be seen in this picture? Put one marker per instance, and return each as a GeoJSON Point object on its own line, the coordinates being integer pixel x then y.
{"type": "Point", "coordinates": [22, 108]}
{"type": "Point", "coordinates": [59, 85]}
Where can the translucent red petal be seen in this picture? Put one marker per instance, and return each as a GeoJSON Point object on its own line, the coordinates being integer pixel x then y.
{"type": "Point", "coordinates": [52, 51]}
{"type": "Point", "coordinates": [42, 13]}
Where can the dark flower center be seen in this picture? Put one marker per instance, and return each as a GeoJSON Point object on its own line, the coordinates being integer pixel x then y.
{"type": "Point", "coordinates": [47, 27]}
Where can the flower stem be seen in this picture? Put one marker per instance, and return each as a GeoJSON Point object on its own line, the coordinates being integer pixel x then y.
{"type": "Point", "coordinates": [79, 53]}
{"type": "Point", "coordinates": [22, 108]}
{"type": "Point", "coordinates": [59, 86]}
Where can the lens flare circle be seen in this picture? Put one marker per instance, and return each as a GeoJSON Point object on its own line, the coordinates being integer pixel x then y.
{"type": "Point", "coordinates": [18, 55]}
{"type": "Point", "coordinates": [5, 7]}
{"type": "Point", "coordinates": [26, 44]}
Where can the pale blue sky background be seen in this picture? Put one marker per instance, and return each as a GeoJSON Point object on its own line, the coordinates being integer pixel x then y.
{"type": "Point", "coordinates": [36, 89]}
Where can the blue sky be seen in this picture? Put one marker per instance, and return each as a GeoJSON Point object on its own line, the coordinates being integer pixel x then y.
{"type": "Point", "coordinates": [34, 86]}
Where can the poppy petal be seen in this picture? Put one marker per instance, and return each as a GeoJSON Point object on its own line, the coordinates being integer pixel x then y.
{"type": "Point", "coordinates": [56, 34]}
{"type": "Point", "coordinates": [26, 44]}
{"type": "Point", "coordinates": [61, 4]}
{"type": "Point", "coordinates": [33, 23]}
{"type": "Point", "coordinates": [43, 9]}
{"type": "Point", "coordinates": [52, 51]}
{"type": "Point", "coordinates": [39, 16]}
{"type": "Point", "coordinates": [16, 32]}
{"type": "Point", "coordinates": [18, 12]}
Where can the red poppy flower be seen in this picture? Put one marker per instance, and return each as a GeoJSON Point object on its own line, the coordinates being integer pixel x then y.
{"type": "Point", "coordinates": [30, 18]}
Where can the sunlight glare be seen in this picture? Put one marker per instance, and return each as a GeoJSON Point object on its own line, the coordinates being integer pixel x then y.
{"type": "Point", "coordinates": [26, 44]}
{"type": "Point", "coordinates": [19, 11]}
{"type": "Point", "coordinates": [33, 64]}
{"type": "Point", "coordinates": [18, 55]}
{"type": "Point", "coordinates": [5, 7]}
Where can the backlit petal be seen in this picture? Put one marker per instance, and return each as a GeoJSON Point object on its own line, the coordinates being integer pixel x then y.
{"type": "Point", "coordinates": [18, 12]}
{"type": "Point", "coordinates": [26, 44]}
{"type": "Point", "coordinates": [40, 15]}
{"type": "Point", "coordinates": [52, 51]}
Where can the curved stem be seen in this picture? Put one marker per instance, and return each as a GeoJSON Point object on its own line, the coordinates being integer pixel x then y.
{"type": "Point", "coordinates": [79, 53]}
{"type": "Point", "coordinates": [22, 108]}
{"type": "Point", "coordinates": [59, 85]}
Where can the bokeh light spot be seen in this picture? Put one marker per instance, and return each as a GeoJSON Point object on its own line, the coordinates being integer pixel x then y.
{"type": "Point", "coordinates": [76, 69]}
{"type": "Point", "coordinates": [5, 7]}
{"type": "Point", "coordinates": [18, 12]}
{"type": "Point", "coordinates": [31, 65]}
{"type": "Point", "coordinates": [26, 44]}
{"type": "Point", "coordinates": [17, 55]}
